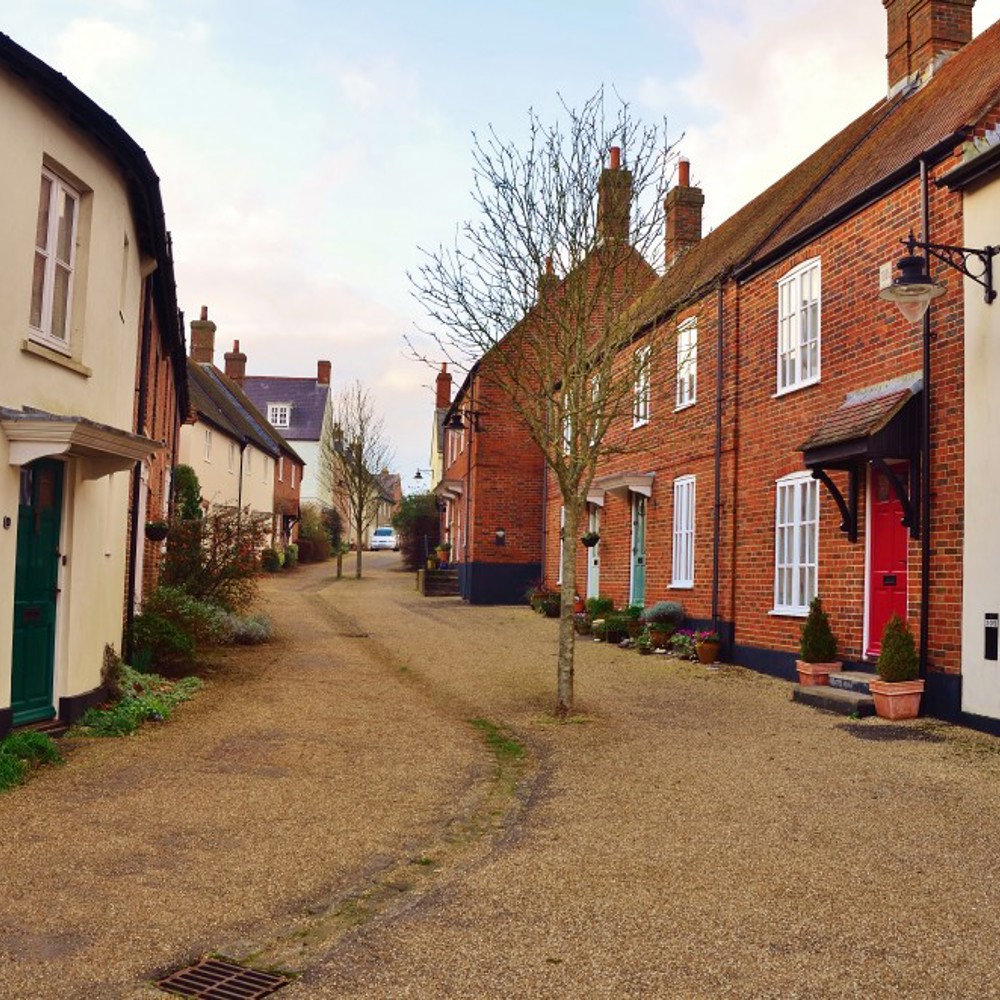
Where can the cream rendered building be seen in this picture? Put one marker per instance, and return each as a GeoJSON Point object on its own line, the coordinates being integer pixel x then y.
{"type": "Point", "coordinates": [79, 206]}
{"type": "Point", "coordinates": [233, 456]}
{"type": "Point", "coordinates": [979, 179]}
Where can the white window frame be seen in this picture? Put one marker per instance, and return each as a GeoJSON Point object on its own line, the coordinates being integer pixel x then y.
{"type": "Point", "coordinates": [567, 426]}
{"type": "Point", "coordinates": [208, 445]}
{"type": "Point", "coordinates": [799, 322]}
{"type": "Point", "coordinates": [294, 470]}
{"type": "Point", "coordinates": [232, 457]}
{"type": "Point", "coordinates": [42, 331]}
{"type": "Point", "coordinates": [281, 468]}
{"type": "Point", "coordinates": [279, 414]}
{"type": "Point", "coordinates": [683, 534]}
{"type": "Point", "coordinates": [248, 463]}
{"type": "Point", "coordinates": [796, 543]}
{"type": "Point", "coordinates": [687, 364]}
{"type": "Point", "coordinates": [641, 388]}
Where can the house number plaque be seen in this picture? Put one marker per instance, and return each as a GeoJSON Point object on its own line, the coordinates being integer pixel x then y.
{"type": "Point", "coordinates": [992, 629]}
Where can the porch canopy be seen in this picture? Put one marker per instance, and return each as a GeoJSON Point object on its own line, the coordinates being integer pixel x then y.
{"type": "Point", "coordinates": [620, 484]}
{"type": "Point", "coordinates": [34, 434]}
{"type": "Point", "coordinates": [879, 424]}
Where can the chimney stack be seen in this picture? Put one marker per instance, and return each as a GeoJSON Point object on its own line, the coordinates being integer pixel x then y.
{"type": "Point", "coordinates": [547, 281]}
{"type": "Point", "coordinates": [236, 363]}
{"type": "Point", "coordinates": [323, 372]}
{"type": "Point", "coordinates": [682, 212]}
{"type": "Point", "coordinates": [922, 34]}
{"type": "Point", "coordinates": [203, 338]}
{"type": "Point", "coordinates": [614, 198]}
{"type": "Point", "coordinates": [442, 388]}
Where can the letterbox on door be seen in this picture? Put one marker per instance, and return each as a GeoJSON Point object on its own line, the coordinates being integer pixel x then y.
{"type": "Point", "coordinates": [991, 630]}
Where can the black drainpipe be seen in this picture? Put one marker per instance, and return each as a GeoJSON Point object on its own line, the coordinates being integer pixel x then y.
{"type": "Point", "coordinates": [716, 518]}
{"type": "Point", "coordinates": [137, 529]}
{"type": "Point", "coordinates": [925, 446]}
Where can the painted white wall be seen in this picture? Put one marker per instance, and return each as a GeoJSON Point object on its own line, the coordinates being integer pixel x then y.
{"type": "Point", "coordinates": [96, 380]}
{"type": "Point", "coordinates": [219, 472]}
{"type": "Point", "coordinates": [981, 546]}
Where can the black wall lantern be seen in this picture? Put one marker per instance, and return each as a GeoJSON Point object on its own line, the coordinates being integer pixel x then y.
{"type": "Point", "coordinates": [914, 289]}
{"type": "Point", "coordinates": [501, 536]}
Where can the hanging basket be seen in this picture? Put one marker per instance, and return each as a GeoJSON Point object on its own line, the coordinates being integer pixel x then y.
{"type": "Point", "coordinates": [590, 539]}
{"type": "Point", "coordinates": [157, 531]}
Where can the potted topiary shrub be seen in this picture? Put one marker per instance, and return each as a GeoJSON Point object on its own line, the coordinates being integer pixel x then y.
{"type": "Point", "coordinates": [599, 607]}
{"type": "Point", "coordinates": [443, 553]}
{"type": "Point", "coordinates": [662, 619]}
{"type": "Point", "coordinates": [643, 643]}
{"type": "Point", "coordinates": [632, 616]}
{"type": "Point", "coordinates": [897, 691]}
{"type": "Point", "coordinates": [817, 648]}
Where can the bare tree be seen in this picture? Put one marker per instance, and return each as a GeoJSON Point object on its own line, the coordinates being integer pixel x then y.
{"type": "Point", "coordinates": [357, 451]}
{"type": "Point", "coordinates": [534, 291]}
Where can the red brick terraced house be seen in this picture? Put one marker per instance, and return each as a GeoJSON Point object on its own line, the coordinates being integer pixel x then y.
{"type": "Point", "coordinates": [799, 436]}
{"type": "Point", "coordinates": [496, 494]}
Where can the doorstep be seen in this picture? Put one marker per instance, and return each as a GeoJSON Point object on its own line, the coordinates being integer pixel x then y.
{"type": "Point", "coordinates": [835, 699]}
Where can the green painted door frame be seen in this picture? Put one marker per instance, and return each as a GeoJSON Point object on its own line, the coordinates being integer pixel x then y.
{"type": "Point", "coordinates": [36, 578]}
{"type": "Point", "coordinates": [638, 588]}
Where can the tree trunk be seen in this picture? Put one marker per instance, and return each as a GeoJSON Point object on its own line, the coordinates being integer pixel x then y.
{"type": "Point", "coordinates": [358, 528]}
{"type": "Point", "coordinates": [567, 633]}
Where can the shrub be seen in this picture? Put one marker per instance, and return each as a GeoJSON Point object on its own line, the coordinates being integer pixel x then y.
{"type": "Point", "coordinates": [633, 612]}
{"type": "Point", "coordinates": [682, 645]}
{"type": "Point", "coordinates": [818, 644]}
{"type": "Point", "coordinates": [187, 493]}
{"type": "Point", "coordinates": [270, 560]}
{"type": "Point", "coordinates": [599, 607]}
{"type": "Point", "coordinates": [244, 630]}
{"type": "Point", "coordinates": [165, 635]}
{"type": "Point", "coordinates": [418, 527]}
{"type": "Point", "coordinates": [145, 697]}
{"type": "Point", "coordinates": [20, 751]}
{"type": "Point", "coordinates": [291, 555]}
{"type": "Point", "coordinates": [664, 615]}
{"type": "Point", "coordinates": [313, 530]}
{"type": "Point", "coordinates": [898, 660]}
{"type": "Point", "coordinates": [215, 557]}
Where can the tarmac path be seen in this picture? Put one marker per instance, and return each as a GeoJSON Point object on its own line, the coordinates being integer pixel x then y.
{"type": "Point", "coordinates": [326, 807]}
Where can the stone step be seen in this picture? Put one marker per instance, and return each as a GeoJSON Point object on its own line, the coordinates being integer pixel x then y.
{"type": "Point", "coordinates": [834, 699]}
{"type": "Point", "coordinates": [851, 680]}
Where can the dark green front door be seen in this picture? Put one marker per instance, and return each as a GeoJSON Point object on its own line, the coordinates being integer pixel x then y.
{"type": "Point", "coordinates": [35, 587]}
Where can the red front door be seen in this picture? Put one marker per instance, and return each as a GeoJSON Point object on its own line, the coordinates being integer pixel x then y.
{"type": "Point", "coordinates": [888, 541]}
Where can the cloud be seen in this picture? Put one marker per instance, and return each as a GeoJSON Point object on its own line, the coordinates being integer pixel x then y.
{"type": "Point", "coordinates": [774, 81]}
{"type": "Point", "coordinates": [97, 54]}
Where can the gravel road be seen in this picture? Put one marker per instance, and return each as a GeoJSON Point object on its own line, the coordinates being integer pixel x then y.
{"type": "Point", "coordinates": [325, 806]}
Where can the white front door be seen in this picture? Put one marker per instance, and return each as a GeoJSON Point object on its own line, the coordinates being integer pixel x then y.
{"type": "Point", "coordinates": [594, 555]}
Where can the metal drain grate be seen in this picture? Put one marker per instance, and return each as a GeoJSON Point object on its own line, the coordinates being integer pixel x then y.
{"type": "Point", "coordinates": [215, 979]}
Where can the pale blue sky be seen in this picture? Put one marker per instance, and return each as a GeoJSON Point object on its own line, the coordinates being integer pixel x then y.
{"type": "Point", "coordinates": [306, 148]}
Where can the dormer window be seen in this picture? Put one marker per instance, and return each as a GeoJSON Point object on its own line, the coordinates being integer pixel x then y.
{"type": "Point", "coordinates": [279, 414]}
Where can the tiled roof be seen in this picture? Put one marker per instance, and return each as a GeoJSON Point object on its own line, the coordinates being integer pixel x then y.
{"type": "Point", "coordinates": [864, 412]}
{"type": "Point", "coordinates": [308, 400]}
{"type": "Point", "coordinates": [882, 143]}
{"type": "Point", "coordinates": [219, 401]}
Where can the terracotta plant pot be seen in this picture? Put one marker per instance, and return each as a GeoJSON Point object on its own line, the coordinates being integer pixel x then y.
{"type": "Point", "coordinates": [812, 674]}
{"type": "Point", "coordinates": [660, 637]}
{"type": "Point", "coordinates": [708, 652]}
{"type": "Point", "coordinates": [896, 699]}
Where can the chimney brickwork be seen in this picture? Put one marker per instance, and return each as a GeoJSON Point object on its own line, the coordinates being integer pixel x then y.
{"type": "Point", "coordinates": [442, 388]}
{"type": "Point", "coordinates": [203, 338]}
{"type": "Point", "coordinates": [323, 369]}
{"type": "Point", "coordinates": [921, 33]}
{"type": "Point", "coordinates": [614, 200]}
{"type": "Point", "coordinates": [682, 211]}
{"type": "Point", "coordinates": [236, 363]}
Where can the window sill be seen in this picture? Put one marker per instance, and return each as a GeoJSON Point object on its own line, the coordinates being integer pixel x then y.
{"type": "Point", "coordinates": [639, 423]}
{"type": "Point", "coordinates": [681, 586]}
{"type": "Point", "coordinates": [684, 406]}
{"type": "Point", "coordinates": [56, 357]}
{"type": "Point", "coordinates": [795, 388]}
{"type": "Point", "coordinates": [789, 612]}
